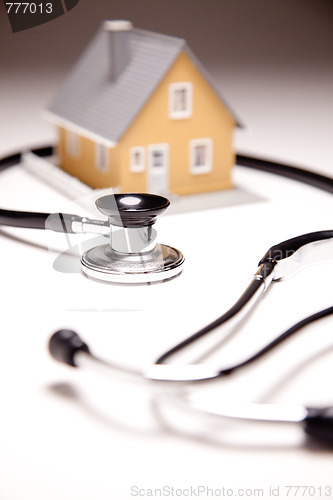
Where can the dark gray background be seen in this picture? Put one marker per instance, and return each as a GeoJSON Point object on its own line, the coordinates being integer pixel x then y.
{"type": "Point", "coordinates": [272, 59]}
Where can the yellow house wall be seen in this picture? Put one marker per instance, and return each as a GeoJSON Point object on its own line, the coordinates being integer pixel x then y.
{"type": "Point", "coordinates": [210, 119]}
{"type": "Point", "coordinates": [83, 165]}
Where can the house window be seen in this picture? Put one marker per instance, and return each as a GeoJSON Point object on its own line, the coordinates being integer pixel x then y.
{"type": "Point", "coordinates": [180, 100]}
{"type": "Point", "coordinates": [72, 143]}
{"type": "Point", "coordinates": [101, 157]}
{"type": "Point", "coordinates": [157, 159]}
{"type": "Point", "coordinates": [137, 159]}
{"type": "Point", "coordinates": [201, 156]}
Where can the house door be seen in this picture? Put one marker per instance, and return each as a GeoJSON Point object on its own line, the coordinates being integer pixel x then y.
{"type": "Point", "coordinates": [158, 168]}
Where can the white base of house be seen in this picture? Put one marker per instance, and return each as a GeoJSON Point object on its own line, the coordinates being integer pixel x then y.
{"type": "Point", "coordinates": [47, 170]}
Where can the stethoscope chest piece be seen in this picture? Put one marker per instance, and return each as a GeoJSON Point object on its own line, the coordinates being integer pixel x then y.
{"type": "Point", "coordinates": [132, 256]}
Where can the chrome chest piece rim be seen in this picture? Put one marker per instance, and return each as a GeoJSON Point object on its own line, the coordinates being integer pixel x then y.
{"type": "Point", "coordinates": [133, 256]}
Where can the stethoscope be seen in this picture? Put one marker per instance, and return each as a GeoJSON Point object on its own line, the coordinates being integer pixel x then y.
{"type": "Point", "coordinates": [133, 256]}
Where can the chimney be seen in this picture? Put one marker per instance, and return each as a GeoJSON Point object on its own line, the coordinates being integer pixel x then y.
{"type": "Point", "coordinates": [118, 38]}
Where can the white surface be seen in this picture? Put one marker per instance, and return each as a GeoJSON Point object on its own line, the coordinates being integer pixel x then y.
{"type": "Point", "coordinates": [71, 434]}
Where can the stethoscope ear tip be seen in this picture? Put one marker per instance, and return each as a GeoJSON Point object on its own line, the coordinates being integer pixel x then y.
{"type": "Point", "coordinates": [318, 425]}
{"type": "Point", "coordinates": [64, 344]}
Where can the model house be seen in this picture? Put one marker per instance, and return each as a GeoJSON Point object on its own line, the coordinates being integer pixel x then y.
{"type": "Point", "coordinates": [138, 112]}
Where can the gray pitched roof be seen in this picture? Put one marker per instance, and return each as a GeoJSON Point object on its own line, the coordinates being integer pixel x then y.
{"type": "Point", "coordinates": [90, 101]}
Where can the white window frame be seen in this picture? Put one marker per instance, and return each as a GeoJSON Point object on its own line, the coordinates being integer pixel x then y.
{"type": "Point", "coordinates": [173, 89]}
{"type": "Point", "coordinates": [72, 143]}
{"type": "Point", "coordinates": [134, 167]}
{"type": "Point", "coordinates": [208, 165]}
{"type": "Point", "coordinates": [101, 159]}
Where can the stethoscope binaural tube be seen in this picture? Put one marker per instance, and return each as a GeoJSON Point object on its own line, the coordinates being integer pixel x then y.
{"type": "Point", "coordinates": [66, 346]}
{"type": "Point", "coordinates": [280, 262]}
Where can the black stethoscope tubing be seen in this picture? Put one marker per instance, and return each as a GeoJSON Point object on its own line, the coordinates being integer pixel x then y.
{"type": "Point", "coordinates": [65, 345]}
{"type": "Point", "coordinates": [298, 174]}
{"type": "Point", "coordinates": [38, 221]}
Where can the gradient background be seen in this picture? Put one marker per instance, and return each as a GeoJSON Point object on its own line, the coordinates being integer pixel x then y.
{"type": "Point", "coordinates": [272, 59]}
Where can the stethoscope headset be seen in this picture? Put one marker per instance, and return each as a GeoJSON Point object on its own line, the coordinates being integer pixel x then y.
{"type": "Point", "coordinates": [132, 256]}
